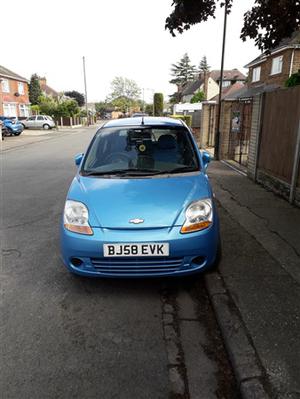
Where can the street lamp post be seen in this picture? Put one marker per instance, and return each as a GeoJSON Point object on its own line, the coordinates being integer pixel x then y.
{"type": "Point", "coordinates": [217, 135]}
{"type": "Point", "coordinates": [143, 99]}
{"type": "Point", "coordinates": [85, 91]}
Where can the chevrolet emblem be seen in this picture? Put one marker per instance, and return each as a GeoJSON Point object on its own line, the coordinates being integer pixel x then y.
{"type": "Point", "coordinates": [136, 221]}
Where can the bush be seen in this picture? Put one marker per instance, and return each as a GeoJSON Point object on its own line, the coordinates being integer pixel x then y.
{"type": "Point", "coordinates": [186, 118]}
{"type": "Point", "coordinates": [198, 97]}
{"type": "Point", "coordinates": [293, 80]}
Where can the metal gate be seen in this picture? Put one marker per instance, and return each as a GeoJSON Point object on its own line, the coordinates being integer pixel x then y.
{"type": "Point", "coordinates": [240, 130]}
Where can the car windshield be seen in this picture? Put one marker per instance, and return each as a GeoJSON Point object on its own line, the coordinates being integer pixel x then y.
{"type": "Point", "coordinates": [141, 150]}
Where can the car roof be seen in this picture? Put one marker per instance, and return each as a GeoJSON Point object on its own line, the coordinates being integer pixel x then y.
{"type": "Point", "coordinates": [146, 120]}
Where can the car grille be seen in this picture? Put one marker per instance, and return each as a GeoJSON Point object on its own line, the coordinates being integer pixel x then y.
{"type": "Point", "coordinates": [135, 266]}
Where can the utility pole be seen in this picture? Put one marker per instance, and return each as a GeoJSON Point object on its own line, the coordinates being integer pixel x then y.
{"type": "Point", "coordinates": [217, 135]}
{"type": "Point", "coordinates": [143, 99]}
{"type": "Point", "coordinates": [85, 91]}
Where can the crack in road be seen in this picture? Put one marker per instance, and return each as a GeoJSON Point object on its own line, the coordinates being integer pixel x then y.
{"type": "Point", "coordinates": [45, 216]}
{"type": "Point", "coordinates": [11, 251]}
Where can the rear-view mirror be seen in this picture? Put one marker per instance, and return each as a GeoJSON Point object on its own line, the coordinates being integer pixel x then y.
{"type": "Point", "coordinates": [78, 159]}
{"type": "Point", "coordinates": [206, 158]}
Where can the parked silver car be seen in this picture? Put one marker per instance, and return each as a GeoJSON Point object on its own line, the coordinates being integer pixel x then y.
{"type": "Point", "coordinates": [38, 122]}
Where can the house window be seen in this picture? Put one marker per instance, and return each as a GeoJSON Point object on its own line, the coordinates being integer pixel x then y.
{"type": "Point", "coordinates": [9, 109]}
{"type": "Point", "coordinates": [24, 110]}
{"type": "Point", "coordinates": [277, 65]}
{"type": "Point", "coordinates": [21, 88]}
{"type": "Point", "coordinates": [256, 74]}
{"type": "Point", "coordinates": [5, 85]}
{"type": "Point", "coordinates": [226, 83]}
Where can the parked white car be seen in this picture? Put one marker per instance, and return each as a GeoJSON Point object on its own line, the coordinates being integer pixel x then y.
{"type": "Point", "coordinates": [38, 122]}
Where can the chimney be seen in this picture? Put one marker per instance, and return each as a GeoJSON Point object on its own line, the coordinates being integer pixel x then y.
{"type": "Point", "coordinates": [43, 81]}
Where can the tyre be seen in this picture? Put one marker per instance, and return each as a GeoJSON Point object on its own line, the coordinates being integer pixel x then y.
{"type": "Point", "coordinates": [46, 126]}
{"type": "Point", "coordinates": [17, 133]}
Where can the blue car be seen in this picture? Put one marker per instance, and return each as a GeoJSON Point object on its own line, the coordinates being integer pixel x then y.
{"type": "Point", "coordinates": [141, 204]}
{"type": "Point", "coordinates": [11, 126]}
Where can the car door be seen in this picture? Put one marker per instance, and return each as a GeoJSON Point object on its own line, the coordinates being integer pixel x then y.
{"type": "Point", "coordinates": [30, 122]}
{"type": "Point", "coordinates": [39, 121]}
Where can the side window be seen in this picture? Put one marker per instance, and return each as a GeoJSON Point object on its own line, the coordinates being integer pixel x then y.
{"type": "Point", "coordinates": [32, 118]}
{"type": "Point", "coordinates": [256, 74]}
{"type": "Point", "coordinates": [277, 65]}
{"type": "Point", "coordinates": [5, 85]}
{"type": "Point", "coordinates": [40, 118]}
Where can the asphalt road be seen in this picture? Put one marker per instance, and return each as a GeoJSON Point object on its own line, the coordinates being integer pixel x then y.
{"type": "Point", "coordinates": [68, 337]}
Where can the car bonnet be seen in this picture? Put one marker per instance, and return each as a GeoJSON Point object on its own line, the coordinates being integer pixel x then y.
{"type": "Point", "coordinates": [155, 202]}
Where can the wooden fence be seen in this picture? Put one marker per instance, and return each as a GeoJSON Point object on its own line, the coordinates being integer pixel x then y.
{"type": "Point", "coordinates": [278, 142]}
{"type": "Point", "coordinates": [279, 132]}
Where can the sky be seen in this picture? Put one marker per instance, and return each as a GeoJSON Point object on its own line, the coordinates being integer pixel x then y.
{"type": "Point", "coordinates": [117, 38]}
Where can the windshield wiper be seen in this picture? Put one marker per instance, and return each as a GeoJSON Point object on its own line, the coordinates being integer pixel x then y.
{"type": "Point", "coordinates": [183, 169]}
{"type": "Point", "coordinates": [124, 172]}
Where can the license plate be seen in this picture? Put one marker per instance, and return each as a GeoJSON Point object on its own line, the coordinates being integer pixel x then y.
{"type": "Point", "coordinates": [140, 249]}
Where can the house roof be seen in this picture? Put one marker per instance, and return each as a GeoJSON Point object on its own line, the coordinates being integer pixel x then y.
{"type": "Point", "coordinates": [290, 42]}
{"type": "Point", "coordinates": [48, 90]}
{"type": "Point", "coordinates": [248, 92]}
{"type": "Point", "coordinates": [229, 74]}
{"type": "Point", "coordinates": [10, 74]}
{"type": "Point", "coordinates": [229, 91]}
{"type": "Point", "coordinates": [191, 87]}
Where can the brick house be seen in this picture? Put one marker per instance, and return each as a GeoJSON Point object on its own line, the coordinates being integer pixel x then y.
{"type": "Point", "coordinates": [277, 66]}
{"type": "Point", "coordinates": [209, 83]}
{"type": "Point", "coordinates": [14, 98]}
{"type": "Point", "coordinates": [47, 90]}
{"type": "Point", "coordinates": [203, 83]}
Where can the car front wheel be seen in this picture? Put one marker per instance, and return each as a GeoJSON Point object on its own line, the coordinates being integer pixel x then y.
{"type": "Point", "coordinates": [46, 126]}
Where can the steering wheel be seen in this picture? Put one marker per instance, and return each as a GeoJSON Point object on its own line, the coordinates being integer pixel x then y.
{"type": "Point", "coordinates": [116, 157]}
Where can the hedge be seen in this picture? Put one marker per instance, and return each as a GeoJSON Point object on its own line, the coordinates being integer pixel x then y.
{"type": "Point", "coordinates": [186, 118]}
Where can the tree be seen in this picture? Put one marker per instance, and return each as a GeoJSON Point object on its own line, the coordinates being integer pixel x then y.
{"type": "Point", "coordinates": [102, 108]}
{"type": "Point", "coordinates": [203, 66]}
{"type": "Point", "coordinates": [124, 93]}
{"type": "Point", "coordinates": [198, 97]}
{"type": "Point", "coordinates": [34, 89]}
{"type": "Point", "coordinates": [52, 107]}
{"type": "Point", "coordinates": [267, 22]}
{"type": "Point", "coordinates": [79, 97]}
{"type": "Point", "coordinates": [158, 99]}
{"type": "Point", "coordinates": [293, 80]}
{"type": "Point", "coordinates": [67, 108]}
{"type": "Point", "coordinates": [123, 87]}
{"type": "Point", "coordinates": [183, 71]}
{"type": "Point", "coordinates": [47, 105]}
{"type": "Point", "coordinates": [122, 103]}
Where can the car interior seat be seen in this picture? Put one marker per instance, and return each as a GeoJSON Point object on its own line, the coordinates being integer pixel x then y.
{"type": "Point", "coordinates": [167, 149]}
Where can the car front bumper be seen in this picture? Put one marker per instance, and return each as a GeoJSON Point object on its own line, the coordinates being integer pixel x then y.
{"type": "Point", "coordinates": [189, 253]}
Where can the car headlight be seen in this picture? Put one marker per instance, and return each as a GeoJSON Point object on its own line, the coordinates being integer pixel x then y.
{"type": "Point", "coordinates": [198, 216]}
{"type": "Point", "coordinates": [76, 217]}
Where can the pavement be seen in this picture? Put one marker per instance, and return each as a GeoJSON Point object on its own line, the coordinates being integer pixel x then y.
{"type": "Point", "coordinates": [255, 293]}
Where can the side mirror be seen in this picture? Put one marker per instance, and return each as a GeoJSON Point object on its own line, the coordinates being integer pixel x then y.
{"type": "Point", "coordinates": [206, 158]}
{"type": "Point", "coordinates": [78, 159]}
